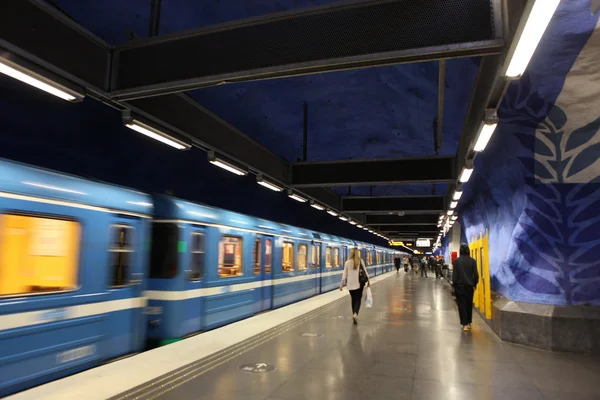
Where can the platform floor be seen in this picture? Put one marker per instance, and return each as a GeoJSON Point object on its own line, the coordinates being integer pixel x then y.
{"type": "Point", "coordinates": [408, 346]}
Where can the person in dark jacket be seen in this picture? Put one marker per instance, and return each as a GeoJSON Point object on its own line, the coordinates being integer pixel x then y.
{"type": "Point", "coordinates": [432, 264]}
{"type": "Point", "coordinates": [464, 280]}
{"type": "Point", "coordinates": [397, 264]}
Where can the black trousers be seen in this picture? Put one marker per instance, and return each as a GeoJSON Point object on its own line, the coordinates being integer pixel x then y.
{"type": "Point", "coordinates": [464, 301]}
{"type": "Point", "coordinates": [424, 271]}
{"type": "Point", "coordinates": [356, 296]}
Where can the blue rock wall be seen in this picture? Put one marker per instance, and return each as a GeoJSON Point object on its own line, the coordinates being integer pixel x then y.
{"type": "Point", "coordinates": [537, 185]}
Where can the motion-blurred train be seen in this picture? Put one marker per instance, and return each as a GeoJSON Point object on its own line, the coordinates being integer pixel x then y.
{"type": "Point", "coordinates": [90, 272]}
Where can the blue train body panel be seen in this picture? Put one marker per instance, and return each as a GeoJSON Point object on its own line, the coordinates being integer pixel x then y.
{"type": "Point", "coordinates": [46, 334]}
{"type": "Point", "coordinates": [146, 268]}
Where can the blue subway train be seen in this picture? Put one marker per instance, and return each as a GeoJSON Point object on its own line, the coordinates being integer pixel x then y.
{"type": "Point", "coordinates": [91, 272]}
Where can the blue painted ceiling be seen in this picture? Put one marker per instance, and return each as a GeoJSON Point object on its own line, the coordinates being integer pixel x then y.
{"type": "Point", "coordinates": [383, 112]}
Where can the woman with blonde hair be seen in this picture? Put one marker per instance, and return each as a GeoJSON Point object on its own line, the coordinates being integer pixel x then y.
{"type": "Point", "coordinates": [355, 277]}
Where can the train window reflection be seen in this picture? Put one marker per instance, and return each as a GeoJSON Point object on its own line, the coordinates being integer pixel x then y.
{"type": "Point", "coordinates": [328, 257]}
{"type": "Point", "coordinates": [163, 258]}
{"type": "Point", "coordinates": [336, 257]}
{"type": "Point", "coordinates": [256, 257]}
{"type": "Point", "coordinates": [316, 256]}
{"type": "Point", "coordinates": [302, 257]}
{"type": "Point", "coordinates": [268, 255]}
{"type": "Point", "coordinates": [230, 256]}
{"type": "Point", "coordinates": [197, 251]}
{"type": "Point", "coordinates": [121, 250]}
{"type": "Point", "coordinates": [287, 259]}
{"type": "Point", "coordinates": [38, 254]}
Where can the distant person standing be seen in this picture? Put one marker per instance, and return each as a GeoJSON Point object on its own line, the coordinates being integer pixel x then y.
{"type": "Point", "coordinates": [464, 280]}
{"type": "Point", "coordinates": [423, 267]}
{"type": "Point", "coordinates": [397, 264]}
{"type": "Point", "coordinates": [432, 265]}
{"type": "Point", "coordinates": [355, 277]}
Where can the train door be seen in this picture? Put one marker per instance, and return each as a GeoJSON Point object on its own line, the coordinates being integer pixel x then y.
{"type": "Point", "coordinates": [265, 246]}
{"type": "Point", "coordinates": [194, 277]}
{"type": "Point", "coordinates": [316, 266]}
{"type": "Point", "coordinates": [125, 277]}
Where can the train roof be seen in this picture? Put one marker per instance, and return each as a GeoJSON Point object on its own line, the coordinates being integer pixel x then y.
{"type": "Point", "coordinates": [18, 179]}
{"type": "Point", "coordinates": [173, 208]}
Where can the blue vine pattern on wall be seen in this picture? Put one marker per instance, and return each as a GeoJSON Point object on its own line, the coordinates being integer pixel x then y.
{"type": "Point", "coordinates": [558, 233]}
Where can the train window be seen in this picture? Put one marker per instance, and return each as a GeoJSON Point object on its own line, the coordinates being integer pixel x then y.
{"type": "Point", "coordinates": [230, 257]}
{"type": "Point", "coordinates": [163, 258]}
{"type": "Point", "coordinates": [268, 255]}
{"type": "Point", "coordinates": [344, 254]}
{"type": "Point", "coordinates": [302, 257]}
{"type": "Point", "coordinates": [39, 254]}
{"type": "Point", "coordinates": [328, 257]}
{"type": "Point", "coordinates": [287, 259]}
{"type": "Point", "coordinates": [336, 257]}
{"type": "Point", "coordinates": [256, 257]}
{"type": "Point", "coordinates": [316, 256]}
{"type": "Point", "coordinates": [197, 251]}
{"type": "Point", "coordinates": [120, 249]}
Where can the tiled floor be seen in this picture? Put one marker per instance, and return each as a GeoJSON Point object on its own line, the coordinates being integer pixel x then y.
{"type": "Point", "coordinates": [408, 346]}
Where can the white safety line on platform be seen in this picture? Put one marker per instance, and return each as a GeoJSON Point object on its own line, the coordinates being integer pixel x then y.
{"type": "Point", "coordinates": [115, 378]}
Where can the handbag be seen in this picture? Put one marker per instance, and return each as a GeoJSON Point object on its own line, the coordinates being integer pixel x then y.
{"type": "Point", "coordinates": [369, 299]}
{"type": "Point", "coordinates": [362, 276]}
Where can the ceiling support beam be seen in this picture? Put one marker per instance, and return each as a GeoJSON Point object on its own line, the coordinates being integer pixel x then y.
{"type": "Point", "coordinates": [425, 204]}
{"type": "Point", "coordinates": [374, 172]}
{"type": "Point", "coordinates": [328, 38]}
{"type": "Point", "coordinates": [406, 228]}
{"type": "Point", "coordinates": [40, 34]}
{"type": "Point", "coordinates": [409, 219]}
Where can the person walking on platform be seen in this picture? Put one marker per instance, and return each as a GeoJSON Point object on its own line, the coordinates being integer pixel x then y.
{"type": "Point", "coordinates": [464, 280]}
{"type": "Point", "coordinates": [433, 265]}
{"type": "Point", "coordinates": [397, 264]}
{"type": "Point", "coordinates": [423, 267]}
{"type": "Point", "coordinates": [406, 263]}
{"type": "Point", "coordinates": [355, 277]}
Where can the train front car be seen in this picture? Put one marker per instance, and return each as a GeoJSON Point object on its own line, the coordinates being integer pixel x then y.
{"type": "Point", "coordinates": [72, 261]}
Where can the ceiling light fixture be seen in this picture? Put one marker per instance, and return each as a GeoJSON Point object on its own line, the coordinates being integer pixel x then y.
{"type": "Point", "coordinates": [226, 165]}
{"type": "Point", "coordinates": [453, 204]}
{"type": "Point", "coordinates": [269, 185]}
{"type": "Point", "coordinates": [343, 218]}
{"type": "Point", "coordinates": [317, 206]}
{"type": "Point", "coordinates": [531, 28]}
{"type": "Point", "coordinates": [296, 197]}
{"type": "Point", "coordinates": [25, 72]}
{"type": "Point", "coordinates": [146, 129]}
{"type": "Point", "coordinates": [466, 173]}
{"type": "Point", "coordinates": [457, 194]}
{"type": "Point", "coordinates": [332, 213]}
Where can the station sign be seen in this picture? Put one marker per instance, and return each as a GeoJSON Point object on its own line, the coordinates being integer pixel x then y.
{"type": "Point", "coordinates": [423, 242]}
{"type": "Point", "coordinates": [398, 243]}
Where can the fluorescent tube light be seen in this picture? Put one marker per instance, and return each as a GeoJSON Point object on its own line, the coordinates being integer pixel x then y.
{"type": "Point", "coordinates": [457, 195]}
{"type": "Point", "coordinates": [269, 185]}
{"type": "Point", "coordinates": [317, 206]}
{"type": "Point", "coordinates": [359, 226]}
{"type": "Point", "coordinates": [214, 160]}
{"type": "Point", "coordinates": [539, 17]}
{"type": "Point", "coordinates": [352, 222]}
{"type": "Point", "coordinates": [228, 167]}
{"type": "Point", "coordinates": [487, 130]}
{"type": "Point", "coordinates": [466, 174]}
{"type": "Point", "coordinates": [454, 217]}
{"type": "Point", "coordinates": [145, 129]}
{"type": "Point", "coordinates": [343, 218]}
{"type": "Point", "coordinates": [453, 204]}
{"type": "Point", "coordinates": [294, 196]}
{"type": "Point", "coordinates": [32, 79]}
{"type": "Point", "coordinates": [333, 213]}
{"type": "Point", "coordinates": [450, 212]}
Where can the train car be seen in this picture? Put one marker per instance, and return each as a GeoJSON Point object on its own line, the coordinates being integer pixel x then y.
{"type": "Point", "coordinates": [210, 267]}
{"type": "Point", "coordinates": [72, 259]}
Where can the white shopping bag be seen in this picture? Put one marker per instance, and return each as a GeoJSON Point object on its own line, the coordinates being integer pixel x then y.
{"type": "Point", "coordinates": [369, 300]}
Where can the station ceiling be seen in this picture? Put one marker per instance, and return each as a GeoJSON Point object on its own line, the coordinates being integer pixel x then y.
{"type": "Point", "coordinates": [367, 107]}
